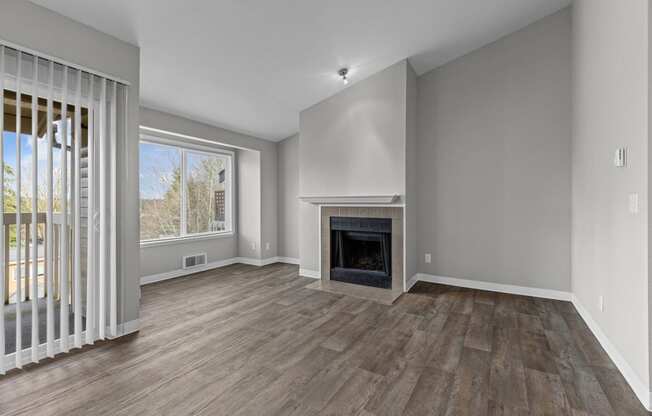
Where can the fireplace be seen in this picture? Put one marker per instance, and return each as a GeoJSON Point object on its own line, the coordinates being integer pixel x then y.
{"type": "Point", "coordinates": [361, 251]}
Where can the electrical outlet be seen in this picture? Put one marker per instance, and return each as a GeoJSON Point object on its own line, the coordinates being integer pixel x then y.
{"type": "Point", "coordinates": [428, 258]}
{"type": "Point", "coordinates": [619, 158]}
{"type": "Point", "coordinates": [267, 246]}
{"type": "Point", "coordinates": [633, 203]}
{"type": "Point", "coordinates": [253, 246]}
{"type": "Point", "coordinates": [601, 303]}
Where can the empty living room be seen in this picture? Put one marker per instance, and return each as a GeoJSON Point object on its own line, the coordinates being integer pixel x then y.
{"type": "Point", "coordinates": [307, 208]}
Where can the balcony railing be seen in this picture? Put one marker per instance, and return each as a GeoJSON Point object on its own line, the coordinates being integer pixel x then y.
{"type": "Point", "coordinates": [27, 262]}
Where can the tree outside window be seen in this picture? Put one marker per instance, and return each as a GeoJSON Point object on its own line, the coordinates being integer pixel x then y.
{"type": "Point", "coordinates": [183, 192]}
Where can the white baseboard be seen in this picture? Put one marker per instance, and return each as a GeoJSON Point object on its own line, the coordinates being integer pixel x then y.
{"type": "Point", "coordinates": [128, 327]}
{"type": "Point", "coordinates": [265, 262]}
{"type": "Point", "coordinates": [641, 390]}
{"type": "Point", "coordinates": [251, 261]}
{"type": "Point", "coordinates": [496, 287]}
{"type": "Point", "coordinates": [159, 277]}
{"type": "Point", "coordinates": [411, 282]}
{"type": "Point", "coordinates": [314, 274]}
{"type": "Point", "coordinates": [10, 359]}
{"type": "Point", "coordinates": [287, 260]}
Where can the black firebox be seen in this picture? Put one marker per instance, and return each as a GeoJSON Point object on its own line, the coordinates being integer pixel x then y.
{"type": "Point", "coordinates": [361, 251]}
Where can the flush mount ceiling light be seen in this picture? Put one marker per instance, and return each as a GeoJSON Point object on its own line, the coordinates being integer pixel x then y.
{"type": "Point", "coordinates": [343, 73]}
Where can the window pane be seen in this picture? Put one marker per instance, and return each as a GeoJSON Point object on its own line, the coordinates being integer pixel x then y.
{"type": "Point", "coordinates": [160, 191]}
{"type": "Point", "coordinates": [205, 193]}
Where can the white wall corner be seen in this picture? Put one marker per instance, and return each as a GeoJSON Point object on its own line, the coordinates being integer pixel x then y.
{"type": "Point", "coordinates": [640, 388]}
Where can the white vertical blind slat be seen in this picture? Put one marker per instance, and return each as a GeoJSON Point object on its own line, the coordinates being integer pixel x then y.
{"type": "Point", "coordinates": [49, 240]}
{"type": "Point", "coordinates": [90, 227]}
{"type": "Point", "coordinates": [19, 294]}
{"type": "Point", "coordinates": [75, 216]}
{"type": "Point", "coordinates": [113, 322]}
{"type": "Point", "coordinates": [102, 255]}
{"type": "Point", "coordinates": [2, 210]}
{"type": "Point", "coordinates": [34, 291]}
{"type": "Point", "coordinates": [63, 284]}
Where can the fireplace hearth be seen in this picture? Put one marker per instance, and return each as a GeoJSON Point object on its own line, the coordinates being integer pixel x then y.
{"type": "Point", "coordinates": [361, 251]}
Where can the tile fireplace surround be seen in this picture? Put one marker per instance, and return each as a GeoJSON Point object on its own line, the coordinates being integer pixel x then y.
{"type": "Point", "coordinates": [372, 293]}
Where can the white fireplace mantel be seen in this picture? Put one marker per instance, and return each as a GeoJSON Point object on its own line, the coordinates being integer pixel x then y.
{"type": "Point", "coordinates": [350, 199]}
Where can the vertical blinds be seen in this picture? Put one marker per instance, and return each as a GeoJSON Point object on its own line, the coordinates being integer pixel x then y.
{"type": "Point", "coordinates": [61, 128]}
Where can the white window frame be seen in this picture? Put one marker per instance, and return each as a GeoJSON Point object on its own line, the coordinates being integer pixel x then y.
{"type": "Point", "coordinates": [229, 214]}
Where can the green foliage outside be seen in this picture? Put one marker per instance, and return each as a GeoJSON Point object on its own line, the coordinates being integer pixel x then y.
{"type": "Point", "coordinates": [161, 217]}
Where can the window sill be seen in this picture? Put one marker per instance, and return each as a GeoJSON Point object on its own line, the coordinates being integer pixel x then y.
{"type": "Point", "coordinates": [187, 239]}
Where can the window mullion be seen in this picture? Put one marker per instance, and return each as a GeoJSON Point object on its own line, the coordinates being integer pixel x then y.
{"type": "Point", "coordinates": [184, 210]}
{"type": "Point", "coordinates": [228, 201]}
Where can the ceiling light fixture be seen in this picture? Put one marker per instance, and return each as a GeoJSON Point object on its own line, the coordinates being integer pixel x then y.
{"type": "Point", "coordinates": [343, 73]}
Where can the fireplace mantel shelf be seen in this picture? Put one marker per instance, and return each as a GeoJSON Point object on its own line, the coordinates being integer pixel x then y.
{"type": "Point", "coordinates": [351, 199]}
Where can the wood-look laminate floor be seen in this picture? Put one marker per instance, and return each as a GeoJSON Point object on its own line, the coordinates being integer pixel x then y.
{"type": "Point", "coordinates": [243, 340]}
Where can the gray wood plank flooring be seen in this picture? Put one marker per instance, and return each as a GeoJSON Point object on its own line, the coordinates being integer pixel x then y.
{"type": "Point", "coordinates": [243, 340]}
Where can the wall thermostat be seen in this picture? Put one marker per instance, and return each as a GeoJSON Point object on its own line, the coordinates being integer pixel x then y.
{"type": "Point", "coordinates": [619, 158]}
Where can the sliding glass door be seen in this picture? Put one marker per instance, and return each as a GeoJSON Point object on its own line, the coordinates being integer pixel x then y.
{"type": "Point", "coordinates": [59, 128]}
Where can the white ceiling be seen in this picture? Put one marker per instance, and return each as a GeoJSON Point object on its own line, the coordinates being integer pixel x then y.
{"type": "Point", "coordinates": [253, 65]}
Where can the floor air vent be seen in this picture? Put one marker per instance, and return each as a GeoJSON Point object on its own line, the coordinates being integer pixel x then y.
{"type": "Point", "coordinates": [194, 260]}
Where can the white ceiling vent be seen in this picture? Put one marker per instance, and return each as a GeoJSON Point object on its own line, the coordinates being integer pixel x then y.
{"type": "Point", "coordinates": [194, 260]}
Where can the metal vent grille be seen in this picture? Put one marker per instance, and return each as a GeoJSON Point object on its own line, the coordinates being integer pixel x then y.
{"type": "Point", "coordinates": [194, 260]}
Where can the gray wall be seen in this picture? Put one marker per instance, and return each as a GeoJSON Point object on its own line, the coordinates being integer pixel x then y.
{"type": "Point", "coordinates": [262, 220]}
{"type": "Point", "coordinates": [352, 143]}
{"type": "Point", "coordinates": [269, 203]}
{"type": "Point", "coordinates": [308, 237]}
{"type": "Point", "coordinates": [249, 204]}
{"type": "Point", "coordinates": [610, 110]}
{"type": "Point", "coordinates": [168, 258]}
{"type": "Point", "coordinates": [411, 199]}
{"type": "Point", "coordinates": [288, 202]}
{"type": "Point", "coordinates": [493, 182]}
{"type": "Point", "coordinates": [73, 42]}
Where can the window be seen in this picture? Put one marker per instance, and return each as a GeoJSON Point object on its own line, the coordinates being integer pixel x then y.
{"type": "Point", "coordinates": [184, 191]}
